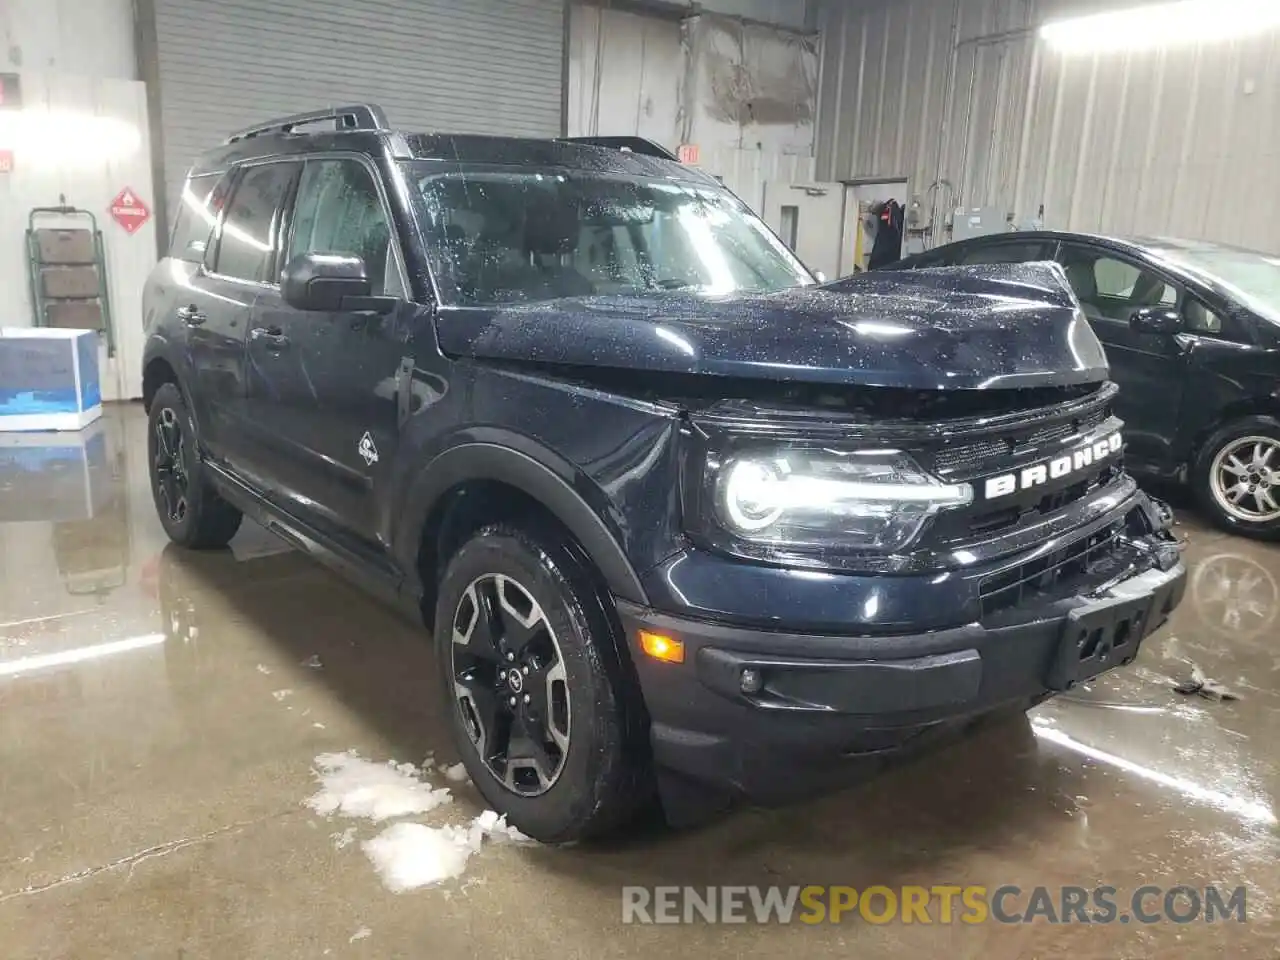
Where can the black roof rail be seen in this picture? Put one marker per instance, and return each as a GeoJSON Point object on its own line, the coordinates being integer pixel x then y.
{"type": "Point", "coordinates": [360, 116]}
{"type": "Point", "coordinates": [639, 145]}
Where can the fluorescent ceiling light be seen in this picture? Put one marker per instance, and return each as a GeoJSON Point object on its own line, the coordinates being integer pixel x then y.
{"type": "Point", "coordinates": [1162, 25]}
{"type": "Point", "coordinates": [12, 668]}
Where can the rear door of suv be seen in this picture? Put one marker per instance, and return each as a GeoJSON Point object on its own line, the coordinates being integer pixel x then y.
{"type": "Point", "coordinates": [191, 310]}
{"type": "Point", "coordinates": [239, 265]}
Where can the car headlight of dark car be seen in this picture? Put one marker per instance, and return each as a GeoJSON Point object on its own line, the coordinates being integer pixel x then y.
{"type": "Point", "coordinates": [819, 498]}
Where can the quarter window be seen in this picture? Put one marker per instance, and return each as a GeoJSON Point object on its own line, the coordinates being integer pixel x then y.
{"type": "Point", "coordinates": [246, 243]}
{"type": "Point", "coordinates": [197, 215]}
{"type": "Point", "coordinates": [339, 211]}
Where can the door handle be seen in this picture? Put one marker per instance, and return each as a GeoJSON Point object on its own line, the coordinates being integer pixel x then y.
{"type": "Point", "coordinates": [191, 316]}
{"type": "Point", "coordinates": [272, 337]}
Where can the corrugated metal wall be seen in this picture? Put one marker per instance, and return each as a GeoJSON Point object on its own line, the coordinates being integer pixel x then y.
{"type": "Point", "coordinates": [487, 66]}
{"type": "Point", "coordinates": [1182, 141]}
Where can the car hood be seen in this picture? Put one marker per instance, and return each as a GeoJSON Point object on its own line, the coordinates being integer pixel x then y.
{"type": "Point", "coordinates": [959, 328]}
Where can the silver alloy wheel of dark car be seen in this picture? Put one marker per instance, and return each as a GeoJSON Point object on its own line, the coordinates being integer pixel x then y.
{"type": "Point", "coordinates": [171, 477]}
{"type": "Point", "coordinates": [510, 685]}
{"type": "Point", "coordinates": [1244, 479]}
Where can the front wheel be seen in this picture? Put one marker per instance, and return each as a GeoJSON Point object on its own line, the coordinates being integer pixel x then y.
{"type": "Point", "coordinates": [1237, 477]}
{"type": "Point", "coordinates": [541, 708]}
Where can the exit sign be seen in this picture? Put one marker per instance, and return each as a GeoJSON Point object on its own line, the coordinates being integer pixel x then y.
{"type": "Point", "coordinates": [6, 161]}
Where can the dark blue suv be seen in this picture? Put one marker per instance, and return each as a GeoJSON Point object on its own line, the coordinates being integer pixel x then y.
{"type": "Point", "coordinates": [683, 523]}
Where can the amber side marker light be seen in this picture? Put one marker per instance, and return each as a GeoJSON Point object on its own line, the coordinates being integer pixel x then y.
{"type": "Point", "coordinates": [661, 647]}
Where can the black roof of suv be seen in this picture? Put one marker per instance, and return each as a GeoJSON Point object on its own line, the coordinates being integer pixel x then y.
{"type": "Point", "coordinates": [364, 127]}
{"type": "Point", "coordinates": [675, 515]}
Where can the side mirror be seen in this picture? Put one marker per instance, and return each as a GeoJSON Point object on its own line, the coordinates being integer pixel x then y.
{"type": "Point", "coordinates": [1155, 320]}
{"type": "Point", "coordinates": [327, 282]}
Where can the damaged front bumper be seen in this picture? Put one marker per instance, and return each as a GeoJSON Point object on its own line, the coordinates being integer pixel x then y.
{"type": "Point", "coordinates": [772, 713]}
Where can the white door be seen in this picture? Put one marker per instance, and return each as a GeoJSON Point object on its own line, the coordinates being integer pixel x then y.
{"type": "Point", "coordinates": [809, 217]}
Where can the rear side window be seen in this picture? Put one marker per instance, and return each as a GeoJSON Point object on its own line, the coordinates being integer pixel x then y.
{"type": "Point", "coordinates": [197, 216]}
{"type": "Point", "coordinates": [246, 243]}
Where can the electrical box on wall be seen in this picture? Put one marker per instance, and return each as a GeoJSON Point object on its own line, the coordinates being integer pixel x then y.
{"type": "Point", "coordinates": [978, 222]}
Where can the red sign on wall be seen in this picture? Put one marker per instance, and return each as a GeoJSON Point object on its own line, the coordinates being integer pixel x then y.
{"type": "Point", "coordinates": [688, 153]}
{"type": "Point", "coordinates": [6, 161]}
{"type": "Point", "coordinates": [128, 210]}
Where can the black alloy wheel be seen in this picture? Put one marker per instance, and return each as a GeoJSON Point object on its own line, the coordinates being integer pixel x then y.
{"type": "Point", "coordinates": [510, 684]}
{"type": "Point", "coordinates": [190, 509]}
{"type": "Point", "coordinates": [172, 478]}
{"type": "Point", "coordinates": [542, 701]}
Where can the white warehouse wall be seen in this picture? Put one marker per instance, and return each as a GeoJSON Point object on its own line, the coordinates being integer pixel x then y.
{"type": "Point", "coordinates": [741, 90]}
{"type": "Point", "coordinates": [1181, 141]}
{"type": "Point", "coordinates": [624, 74]}
{"type": "Point", "coordinates": [76, 63]}
{"type": "Point", "coordinates": [87, 37]}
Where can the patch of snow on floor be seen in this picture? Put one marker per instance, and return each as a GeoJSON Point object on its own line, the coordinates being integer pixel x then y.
{"type": "Point", "coordinates": [343, 839]}
{"type": "Point", "coordinates": [313, 662]}
{"type": "Point", "coordinates": [264, 669]}
{"type": "Point", "coordinates": [457, 773]}
{"type": "Point", "coordinates": [360, 934]}
{"type": "Point", "coordinates": [411, 855]}
{"type": "Point", "coordinates": [496, 828]}
{"type": "Point", "coordinates": [354, 787]}
{"type": "Point", "coordinates": [281, 694]}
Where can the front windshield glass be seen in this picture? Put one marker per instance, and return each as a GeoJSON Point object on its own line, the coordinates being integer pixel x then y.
{"type": "Point", "coordinates": [503, 236]}
{"type": "Point", "coordinates": [1254, 277]}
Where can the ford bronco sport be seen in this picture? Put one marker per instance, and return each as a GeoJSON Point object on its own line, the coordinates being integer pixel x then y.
{"type": "Point", "coordinates": [677, 516]}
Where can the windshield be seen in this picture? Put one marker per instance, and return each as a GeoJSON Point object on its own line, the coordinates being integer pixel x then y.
{"type": "Point", "coordinates": [500, 236]}
{"type": "Point", "coordinates": [1253, 277]}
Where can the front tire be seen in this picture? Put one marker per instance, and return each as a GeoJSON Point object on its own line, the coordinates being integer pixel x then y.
{"type": "Point", "coordinates": [542, 711]}
{"type": "Point", "coordinates": [1237, 477]}
{"type": "Point", "coordinates": [190, 510]}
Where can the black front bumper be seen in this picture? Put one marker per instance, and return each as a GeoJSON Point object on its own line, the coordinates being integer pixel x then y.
{"type": "Point", "coordinates": [772, 714]}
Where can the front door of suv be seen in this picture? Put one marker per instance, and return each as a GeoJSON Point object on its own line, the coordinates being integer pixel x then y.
{"type": "Point", "coordinates": [325, 387]}
{"type": "Point", "coordinates": [1151, 369]}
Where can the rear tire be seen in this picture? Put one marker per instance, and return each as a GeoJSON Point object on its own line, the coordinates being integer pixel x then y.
{"type": "Point", "coordinates": [545, 717]}
{"type": "Point", "coordinates": [190, 510]}
{"type": "Point", "coordinates": [1236, 477]}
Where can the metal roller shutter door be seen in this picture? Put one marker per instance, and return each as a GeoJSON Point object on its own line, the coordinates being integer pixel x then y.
{"type": "Point", "coordinates": [470, 66]}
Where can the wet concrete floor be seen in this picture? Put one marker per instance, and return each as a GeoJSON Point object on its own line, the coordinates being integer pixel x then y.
{"type": "Point", "coordinates": [153, 771]}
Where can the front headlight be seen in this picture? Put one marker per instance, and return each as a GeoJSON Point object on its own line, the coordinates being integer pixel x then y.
{"type": "Point", "coordinates": [873, 500]}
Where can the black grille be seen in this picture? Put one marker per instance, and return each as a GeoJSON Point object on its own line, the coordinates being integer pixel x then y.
{"type": "Point", "coordinates": [1037, 578]}
{"type": "Point", "coordinates": [969, 456]}
{"type": "Point", "coordinates": [996, 520]}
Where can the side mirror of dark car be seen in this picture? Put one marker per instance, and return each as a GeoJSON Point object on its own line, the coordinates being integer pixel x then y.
{"type": "Point", "coordinates": [1155, 320]}
{"type": "Point", "coordinates": [330, 282]}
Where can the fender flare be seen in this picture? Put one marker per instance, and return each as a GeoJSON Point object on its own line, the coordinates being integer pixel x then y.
{"type": "Point", "coordinates": [480, 460]}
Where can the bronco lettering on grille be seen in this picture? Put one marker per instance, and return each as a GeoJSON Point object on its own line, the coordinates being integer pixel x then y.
{"type": "Point", "coordinates": [1055, 469]}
